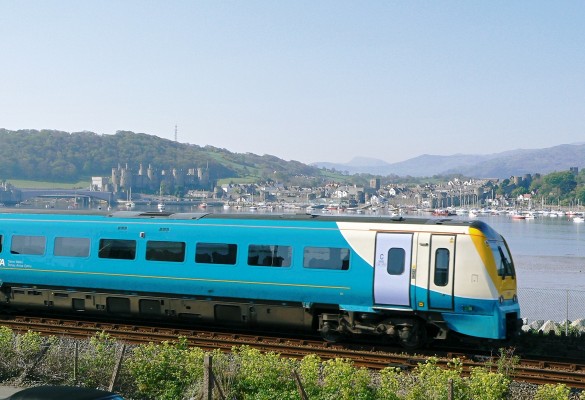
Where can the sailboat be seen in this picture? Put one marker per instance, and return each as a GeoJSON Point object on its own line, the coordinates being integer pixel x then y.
{"type": "Point", "coordinates": [129, 203]}
{"type": "Point", "coordinates": [161, 205]}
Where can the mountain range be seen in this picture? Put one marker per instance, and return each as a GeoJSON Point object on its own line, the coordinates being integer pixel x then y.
{"type": "Point", "coordinates": [498, 165]}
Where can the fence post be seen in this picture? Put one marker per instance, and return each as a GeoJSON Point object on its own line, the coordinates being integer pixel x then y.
{"type": "Point", "coordinates": [450, 389]}
{"type": "Point", "coordinates": [117, 369]}
{"type": "Point", "coordinates": [31, 367]}
{"type": "Point", "coordinates": [299, 384]}
{"type": "Point", "coordinates": [207, 378]}
{"type": "Point", "coordinates": [567, 316]}
{"type": "Point", "coordinates": [75, 361]}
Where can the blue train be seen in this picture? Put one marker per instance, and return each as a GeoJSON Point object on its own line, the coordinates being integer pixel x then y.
{"type": "Point", "coordinates": [410, 279]}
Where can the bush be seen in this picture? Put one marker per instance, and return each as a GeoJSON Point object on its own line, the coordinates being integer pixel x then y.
{"type": "Point", "coordinates": [433, 382]}
{"type": "Point", "coordinates": [485, 385]}
{"type": "Point", "coordinates": [97, 360]}
{"type": "Point", "coordinates": [310, 372]}
{"type": "Point", "coordinates": [7, 353]}
{"type": "Point", "coordinates": [552, 392]}
{"type": "Point", "coordinates": [173, 371]}
{"type": "Point", "coordinates": [390, 383]}
{"type": "Point", "coordinates": [342, 381]}
{"type": "Point", "coordinates": [263, 376]}
{"type": "Point", "coordinates": [166, 371]}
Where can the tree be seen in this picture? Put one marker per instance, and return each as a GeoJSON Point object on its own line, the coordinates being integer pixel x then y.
{"type": "Point", "coordinates": [561, 183]}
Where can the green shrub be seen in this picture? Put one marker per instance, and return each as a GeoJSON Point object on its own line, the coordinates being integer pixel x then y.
{"type": "Point", "coordinates": [165, 371]}
{"type": "Point", "coordinates": [310, 373]}
{"type": "Point", "coordinates": [263, 376]}
{"type": "Point", "coordinates": [433, 382]}
{"type": "Point", "coordinates": [341, 380]}
{"type": "Point", "coordinates": [29, 346]}
{"type": "Point", "coordinates": [7, 353]}
{"type": "Point", "coordinates": [552, 392]}
{"type": "Point", "coordinates": [97, 360]}
{"type": "Point", "coordinates": [486, 385]}
{"type": "Point", "coordinates": [391, 382]}
{"type": "Point", "coordinates": [507, 362]}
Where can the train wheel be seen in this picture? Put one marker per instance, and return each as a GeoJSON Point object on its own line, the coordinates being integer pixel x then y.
{"type": "Point", "coordinates": [330, 334]}
{"type": "Point", "coordinates": [413, 337]}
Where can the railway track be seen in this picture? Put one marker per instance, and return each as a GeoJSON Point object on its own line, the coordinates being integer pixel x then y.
{"type": "Point", "coordinates": [363, 355]}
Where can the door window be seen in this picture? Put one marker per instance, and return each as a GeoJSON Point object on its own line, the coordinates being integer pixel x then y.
{"type": "Point", "coordinates": [441, 267]}
{"type": "Point", "coordinates": [396, 258]}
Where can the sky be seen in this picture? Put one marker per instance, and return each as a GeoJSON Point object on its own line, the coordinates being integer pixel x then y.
{"type": "Point", "coordinates": [301, 80]}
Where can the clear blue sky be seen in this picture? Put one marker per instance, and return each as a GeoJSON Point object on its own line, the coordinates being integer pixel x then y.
{"type": "Point", "coordinates": [301, 80]}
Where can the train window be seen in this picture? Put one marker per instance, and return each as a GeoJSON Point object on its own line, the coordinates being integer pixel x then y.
{"type": "Point", "coordinates": [165, 251]}
{"type": "Point", "coordinates": [504, 264]}
{"type": "Point", "coordinates": [396, 261]}
{"type": "Point", "coordinates": [34, 245]}
{"type": "Point", "coordinates": [441, 267]}
{"type": "Point", "coordinates": [216, 253]}
{"type": "Point", "coordinates": [269, 255]}
{"type": "Point", "coordinates": [117, 248]}
{"type": "Point", "coordinates": [326, 258]}
{"type": "Point", "coordinates": [71, 247]}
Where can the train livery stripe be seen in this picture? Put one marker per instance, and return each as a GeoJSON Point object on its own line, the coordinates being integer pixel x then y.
{"type": "Point", "coordinates": [174, 278]}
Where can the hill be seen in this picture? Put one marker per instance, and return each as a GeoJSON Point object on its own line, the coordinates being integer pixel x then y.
{"type": "Point", "coordinates": [57, 156]}
{"type": "Point", "coordinates": [50, 155]}
{"type": "Point", "coordinates": [498, 165]}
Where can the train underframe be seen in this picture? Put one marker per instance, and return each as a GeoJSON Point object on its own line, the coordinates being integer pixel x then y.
{"type": "Point", "coordinates": [411, 331]}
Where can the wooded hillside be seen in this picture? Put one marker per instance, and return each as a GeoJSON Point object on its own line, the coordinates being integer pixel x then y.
{"type": "Point", "coordinates": [68, 157]}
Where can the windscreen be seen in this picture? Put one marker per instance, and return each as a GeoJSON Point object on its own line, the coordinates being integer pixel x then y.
{"type": "Point", "coordinates": [504, 264]}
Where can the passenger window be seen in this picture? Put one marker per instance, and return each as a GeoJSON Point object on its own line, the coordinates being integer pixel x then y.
{"type": "Point", "coordinates": [441, 267]}
{"type": "Point", "coordinates": [71, 247]}
{"type": "Point", "coordinates": [396, 261]}
{"type": "Point", "coordinates": [165, 251]}
{"type": "Point", "coordinates": [117, 248]}
{"type": "Point", "coordinates": [326, 258]}
{"type": "Point", "coordinates": [216, 253]}
{"type": "Point", "coordinates": [33, 245]}
{"type": "Point", "coordinates": [269, 255]}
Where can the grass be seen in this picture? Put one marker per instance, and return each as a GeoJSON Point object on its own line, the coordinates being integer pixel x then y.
{"type": "Point", "coordinates": [24, 184]}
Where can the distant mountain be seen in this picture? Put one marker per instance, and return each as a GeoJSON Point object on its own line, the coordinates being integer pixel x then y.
{"type": "Point", "coordinates": [498, 165]}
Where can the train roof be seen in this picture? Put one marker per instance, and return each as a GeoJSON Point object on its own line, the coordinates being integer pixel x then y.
{"type": "Point", "coordinates": [252, 216]}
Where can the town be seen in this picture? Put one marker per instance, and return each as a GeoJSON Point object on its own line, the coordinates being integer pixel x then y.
{"type": "Point", "coordinates": [127, 188]}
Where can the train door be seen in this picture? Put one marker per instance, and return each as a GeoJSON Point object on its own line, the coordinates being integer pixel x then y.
{"type": "Point", "coordinates": [441, 272]}
{"type": "Point", "coordinates": [392, 269]}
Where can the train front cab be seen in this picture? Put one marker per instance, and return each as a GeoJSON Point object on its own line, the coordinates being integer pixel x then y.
{"type": "Point", "coordinates": [459, 282]}
{"type": "Point", "coordinates": [497, 258]}
{"type": "Point", "coordinates": [470, 286]}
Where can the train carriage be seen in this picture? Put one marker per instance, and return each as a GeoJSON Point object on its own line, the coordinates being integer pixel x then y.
{"type": "Point", "coordinates": [409, 279]}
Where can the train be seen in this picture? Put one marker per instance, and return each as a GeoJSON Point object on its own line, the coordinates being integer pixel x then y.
{"type": "Point", "coordinates": [412, 280]}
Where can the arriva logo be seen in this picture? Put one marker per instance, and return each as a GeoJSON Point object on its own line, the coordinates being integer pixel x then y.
{"type": "Point", "coordinates": [2, 262]}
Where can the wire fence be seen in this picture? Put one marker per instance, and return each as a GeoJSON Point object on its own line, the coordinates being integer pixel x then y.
{"type": "Point", "coordinates": [557, 305]}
